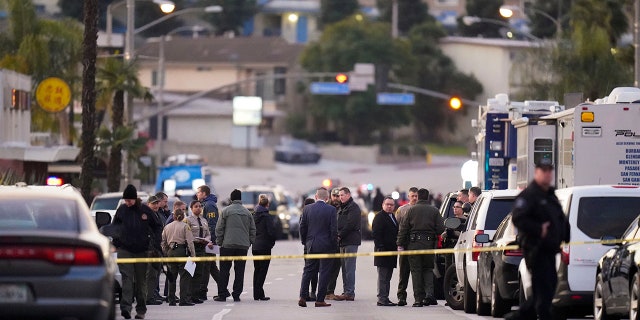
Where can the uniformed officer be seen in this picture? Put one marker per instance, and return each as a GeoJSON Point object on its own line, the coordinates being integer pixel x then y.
{"type": "Point", "coordinates": [419, 231]}
{"type": "Point", "coordinates": [176, 240]}
{"type": "Point", "coordinates": [542, 226]}
{"type": "Point", "coordinates": [202, 238]}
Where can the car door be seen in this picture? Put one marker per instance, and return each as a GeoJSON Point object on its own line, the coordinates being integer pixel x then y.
{"type": "Point", "coordinates": [466, 240]}
{"type": "Point", "coordinates": [620, 265]}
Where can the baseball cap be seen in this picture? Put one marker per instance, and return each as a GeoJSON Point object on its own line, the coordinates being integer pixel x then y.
{"type": "Point", "coordinates": [153, 199]}
{"type": "Point", "coordinates": [544, 163]}
{"type": "Point", "coordinates": [335, 191]}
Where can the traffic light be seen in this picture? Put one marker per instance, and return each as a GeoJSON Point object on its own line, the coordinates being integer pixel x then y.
{"type": "Point", "coordinates": [342, 78]}
{"type": "Point", "coordinates": [455, 103]}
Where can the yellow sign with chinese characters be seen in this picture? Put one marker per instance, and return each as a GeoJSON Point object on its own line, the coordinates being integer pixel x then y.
{"type": "Point", "coordinates": [53, 94]}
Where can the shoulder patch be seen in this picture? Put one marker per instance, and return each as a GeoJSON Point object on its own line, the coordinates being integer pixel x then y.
{"type": "Point", "coordinates": [520, 203]}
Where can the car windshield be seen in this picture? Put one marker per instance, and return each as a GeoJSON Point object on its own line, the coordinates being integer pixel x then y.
{"type": "Point", "coordinates": [498, 209]}
{"type": "Point", "coordinates": [606, 216]}
{"type": "Point", "coordinates": [105, 203]}
{"type": "Point", "coordinates": [44, 214]}
{"type": "Point", "coordinates": [250, 199]}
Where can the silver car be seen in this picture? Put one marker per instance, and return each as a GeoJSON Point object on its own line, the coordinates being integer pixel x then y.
{"type": "Point", "coordinates": [53, 261]}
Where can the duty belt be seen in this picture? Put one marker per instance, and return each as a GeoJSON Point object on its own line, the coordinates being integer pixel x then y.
{"type": "Point", "coordinates": [422, 235]}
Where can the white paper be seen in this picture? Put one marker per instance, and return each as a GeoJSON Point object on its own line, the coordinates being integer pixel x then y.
{"type": "Point", "coordinates": [190, 266]}
{"type": "Point", "coordinates": [214, 250]}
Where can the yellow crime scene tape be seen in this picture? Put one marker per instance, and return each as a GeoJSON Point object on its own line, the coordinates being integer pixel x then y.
{"type": "Point", "coordinates": [349, 255]}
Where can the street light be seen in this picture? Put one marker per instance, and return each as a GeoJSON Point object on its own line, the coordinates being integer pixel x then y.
{"type": "Point", "coordinates": [166, 6]}
{"type": "Point", "coordinates": [469, 20]}
{"type": "Point", "coordinates": [507, 11]}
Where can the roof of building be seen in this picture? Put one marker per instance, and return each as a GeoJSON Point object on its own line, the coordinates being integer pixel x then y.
{"type": "Point", "coordinates": [492, 42]}
{"type": "Point", "coordinates": [243, 50]}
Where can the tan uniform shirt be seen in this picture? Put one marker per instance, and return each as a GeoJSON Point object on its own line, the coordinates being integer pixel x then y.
{"type": "Point", "coordinates": [402, 212]}
{"type": "Point", "coordinates": [192, 221]}
{"type": "Point", "coordinates": [178, 232]}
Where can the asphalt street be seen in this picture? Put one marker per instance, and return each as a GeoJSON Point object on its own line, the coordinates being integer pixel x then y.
{"type": "Point", "coordinates": [283, 285]}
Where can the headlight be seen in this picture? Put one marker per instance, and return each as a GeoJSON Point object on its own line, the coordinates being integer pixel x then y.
{"type": "Point", "coordinates": [370, 217]}
{"type": "Point", "coordinates": [281, 216]}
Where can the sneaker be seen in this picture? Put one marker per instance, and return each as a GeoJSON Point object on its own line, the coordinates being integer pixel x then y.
{"type": "Point", "coordinates": [140, 316]}
{"type": "Point", "coordinates": [330, 296]}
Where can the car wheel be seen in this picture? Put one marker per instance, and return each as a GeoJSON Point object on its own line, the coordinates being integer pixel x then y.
{"type": "Point", "coordinates": [452, 289]}
{"type": "Point", "coordinates": [469, 296]}
{"type": "Point", "coordinates": [599, 305]}
{"type": "Point", "coordinates": [633, 299]}
{"type": "Point", "coordinates": [499, 307]}
{"type": "Point", "coordinates": [482, 308]}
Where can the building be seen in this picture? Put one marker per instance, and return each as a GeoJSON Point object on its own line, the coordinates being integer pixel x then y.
{"type": "Point", "coordinates": [218, 69]}
{"type": "Point", "coordinates": [18, 156]}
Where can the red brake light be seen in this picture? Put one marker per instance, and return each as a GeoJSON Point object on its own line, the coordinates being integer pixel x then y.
{"type": "Point", "coordinates": [55, 254]}
{"type": "Point", "coordinates": [476, 254]}
{"type": "Point", "coordinates": [564, 254]}
{"type": "Point", "coordinates": [513, 253]}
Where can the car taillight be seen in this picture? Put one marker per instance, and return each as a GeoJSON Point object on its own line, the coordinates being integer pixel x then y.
{"type": "Point", "coordinates": [513, 253]}
{"type": "Point", "coordinates": [476, 254]}
{"type": "Point", "coordinates": [564, 254]}
{"type": "Point", "coordinates": [80, 256]}
{"type": "Point", "coordinates": [439, 242]}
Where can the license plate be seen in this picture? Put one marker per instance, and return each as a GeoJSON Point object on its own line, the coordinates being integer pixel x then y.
{"type": "Point", "coordinates": [13, 293]}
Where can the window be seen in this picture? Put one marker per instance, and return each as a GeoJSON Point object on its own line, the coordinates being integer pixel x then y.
{"type": "Point", "coordinates": [630, 234]}
{"type": "Point", "coordinates": [498, 209]}
{"type": "Point", "coordinates": [606, 216]}
{"type": "Point", "coordinates": [44, 214]}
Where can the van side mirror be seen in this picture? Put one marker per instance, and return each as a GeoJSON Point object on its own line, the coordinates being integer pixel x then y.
{"type": "Point", "coordinates": [452, 223]}
{"type": "Point", "coordinates": [609, 241]}
{"type": "Point", "coordinates": [482, 238]}
{"type": "Point", "coordinates": [102, 218]}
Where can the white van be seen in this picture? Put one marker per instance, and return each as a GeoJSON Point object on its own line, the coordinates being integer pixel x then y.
{"type": "Point", "coordinates": [593, 212]}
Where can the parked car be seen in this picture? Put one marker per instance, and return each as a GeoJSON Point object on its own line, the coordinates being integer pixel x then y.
{"type": "Point", "coordinates": [497, 285]}
{"type": "Point", "coordinates": [55, 263]}
{"type": "Point", "coordinates": [278, 205]}
{"type": "Point", "coordinates": [594, 212]}
{"type": "Point", "coordinates": [485, 217]}
{"type": "Point", "coordinates": [617, 288]}
{"type": "Point", "coordinates": [449, 290]}
{"type": "Point", "coordinates": [297, 151]}
{"type": "Point", "coordinates": [110, 201]}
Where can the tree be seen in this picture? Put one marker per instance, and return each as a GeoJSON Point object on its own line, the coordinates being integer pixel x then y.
{"type": "Point", "coordinates": [89, 54]}
{"type": "Point", "coordinates": [582, 61]}
{"type": "Point", "coordinates": [335, 10]}
{"type": "Point", "coordinates": [410, 13]}
{"type": "Point", "coordinates": [435, 71]}
{"type": "Point", "coordinates": [115, 78]}
{"type": "Point", "coordinates": [233, 16]}
{"type": "Point", "coordinates": [487, 9]}
{"type": "Point", "coordinates": [541, 26]}
{"type": "Point", "coordinates": [356, 117]}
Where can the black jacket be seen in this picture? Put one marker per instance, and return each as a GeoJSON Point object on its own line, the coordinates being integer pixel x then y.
{"type": "Point", "coordinates": [385, 233]}
{"type": "Point", "coordinates": [138, 228]}
{"type": "Point", "coordinates": [349, 224]}
{"type": "Point", "coordinates": [532, 208]}
{"type": "Point", "coordinates": [265, 229]}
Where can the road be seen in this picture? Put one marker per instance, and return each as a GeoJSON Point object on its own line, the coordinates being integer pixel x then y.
{"type": "Point", "coordinates": [442, 175]}
{"type": "Point", "coordinates": [283, 284]}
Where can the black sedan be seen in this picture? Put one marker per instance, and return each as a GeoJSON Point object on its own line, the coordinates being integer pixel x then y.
{"type": "Point", "coordinates": [297, 151]}
{"type": "Point", "coordinates": [53, 261]}
{"type": "Point", "coordinates": [617, 288]}
{"type": "Point", "coordinates": [498, 272]}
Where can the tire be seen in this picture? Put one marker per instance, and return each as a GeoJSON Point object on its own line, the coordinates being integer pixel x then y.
{"type": "Point", "coordinates": [559, 313]}
{"type": "Point", "coordinates": [469, 296]}
{"type": "Point", "coordinates": [482, 308]}
{"type": "Point", "coordinates": [452, 289]}
{"type": "Point", "coordinates": [499, 307]}
{"type": "Point", "coordinates": [112, 309]}
{"type": "Point", "coordinates": [634, 294]}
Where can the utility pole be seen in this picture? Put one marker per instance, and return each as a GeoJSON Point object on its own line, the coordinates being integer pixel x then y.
{"type": "Point", "coordinates": [394, 19]}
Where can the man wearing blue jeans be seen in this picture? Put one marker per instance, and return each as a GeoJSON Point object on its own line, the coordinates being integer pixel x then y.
{"type": "Point", "coordinates": [349, 238]}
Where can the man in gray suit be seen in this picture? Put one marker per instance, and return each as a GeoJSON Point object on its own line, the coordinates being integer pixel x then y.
{"type": "Point", "coordinates": [319, 234]}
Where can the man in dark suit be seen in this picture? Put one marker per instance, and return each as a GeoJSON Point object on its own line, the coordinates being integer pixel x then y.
{"type": "Point", "coordinates": [385, 234]}
{"type": "Point", "coordinates": [319, 234]}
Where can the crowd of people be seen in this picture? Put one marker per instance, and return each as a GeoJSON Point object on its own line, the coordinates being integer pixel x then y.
{"type": "Point", "coordinates": [330, 224]}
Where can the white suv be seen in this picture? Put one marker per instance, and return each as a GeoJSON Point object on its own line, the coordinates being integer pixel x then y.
{"type": "Point", "coordinates": [109, 202]}
{"type": "Point", "coordinates": [485, 217]}
{"type": "Point", "coordinates": [594, 212]}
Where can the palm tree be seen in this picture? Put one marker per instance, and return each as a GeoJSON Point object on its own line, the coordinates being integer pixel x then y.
{"type": "Point", "coordinates": [115, 78]}
{"type": "Point", "coordinates": [89, 53]}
